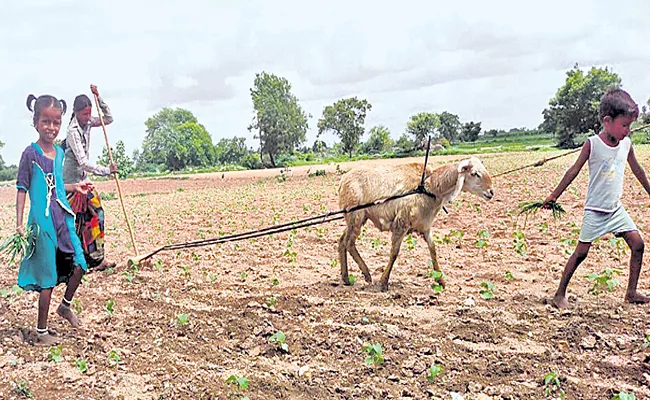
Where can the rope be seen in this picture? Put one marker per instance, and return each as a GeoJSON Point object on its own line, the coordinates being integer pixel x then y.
{"type": "Point", "coordinates": [544, 160]}
{"type": "Point", "coordinates": [302, 223]}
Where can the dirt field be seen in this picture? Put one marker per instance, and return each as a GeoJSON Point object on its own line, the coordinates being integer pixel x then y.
{"type": "Point", "coordinates": [182, 326]}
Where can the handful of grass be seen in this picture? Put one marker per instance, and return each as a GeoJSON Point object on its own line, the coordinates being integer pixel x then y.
{"type": "Point", "coordinates": [17, 246]}
{"type": "Point", "coordinates": [528, 207]}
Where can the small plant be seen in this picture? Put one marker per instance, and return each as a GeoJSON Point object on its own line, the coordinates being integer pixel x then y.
{"type": "Point", "coordinates": [487, 292]}
{"type": "Point", "coordinates": [352, 278]}
{"type": "Point", "coordinates": [552, 385]}
{"type": "Point", "coordinates": [271, 302]}
{"type": "Point", "coordinates": [182, 320]}
{"type": "Point", "coordinates": [76, 306]}
{"type": "Point", "coordinates": [22, 389]}
{"type": "Point", "coordinates": [623, 395]}
{"type": "Point", "coordinates": [375, 354]}
{"type": "Point", "coordinates": [280, 338]}
{"type": "Point", "coordinates": [411, 242]}
{"type": "Point", "coordinates": [646, 342]}
{"type": "Point", "coordinates": [113, 358]}
{"type": "Point", "coordinates": [604, 280]}
{"type": "Point", "coordinates": [334, 262]}
{"type": "Point", "coordinates": [54, 354]}
{"type": "Point", "coordinates": [241, 382]}
{"type": "Point", "coordinates": [243, 276]}
{"type": "Point", "coordinates": [482, 241]}
{"type": "Point", "coordinates": [521, 247]}
{"type": "Point", "coordinates": [82, 366]}
{"type": "Point", "coordinates": [110, 307]}
{"type": "Point", "coordinates": [433, 372]}
{"type": "Point", "coordinates": [509, 276]}
{"type": "Point", "coordinates": [438, 277]}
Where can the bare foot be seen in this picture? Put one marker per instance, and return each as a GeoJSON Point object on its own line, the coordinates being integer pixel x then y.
{"type": "Point", "coordinates": [637, 298]}
{"type": "Point", "coordinates": [46, 340]}
{"type": "Point", "coordinates": [560, 301]}
{"type": "Point", "coordinates": [68, 314]}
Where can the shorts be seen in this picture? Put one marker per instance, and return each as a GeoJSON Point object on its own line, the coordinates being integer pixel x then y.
{"type": "Point", "coordinates": [596, 224]}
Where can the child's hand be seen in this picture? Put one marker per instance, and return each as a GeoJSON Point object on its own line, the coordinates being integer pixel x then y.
{"type": "Point", "coordinates": [547, 205]}
{"type": "Point", "coordinates": [94, 90]}
{"type": "Point", "coordinates": [20, 230]}
{"type": "Point", "coordinates": [113, 168]}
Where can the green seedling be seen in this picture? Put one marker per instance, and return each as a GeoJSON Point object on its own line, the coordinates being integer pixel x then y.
{"type": "Point", "coordinates": [433, 372]}
{"type": "Point", "coordinates": [182, 320]}
{"type": "Point", "coordinates": [241, 382]}
{"type": "Point", "coordinates": [604, 280]}
{"type": "Point", "coordinates": [509, 276]}
{"type": "Point", "coordinates": [110, 307]}
{"type": "Point", "coordinates": [552, 385]}
{"type": "Point", "coordinates": [487, 292]}
{"type": "Point", "coordinates": [623, 395]}
{"type": "Point", "coordinates": [280, 338]}
{"type": "Point", "coordinates": [22, 389]}
{"type": "Point", "coordinates": [375, 354]}
{"type": "Point", "coordinates": [113, 358]}
{"type": "Point", "coordinates": [54, 354]}
{"type": "Point", "coordinates": [520, 244]}
{"type": "Point", "coordinates": [352, 278]}
{"type": "Point", "coordinates": [82, 366]}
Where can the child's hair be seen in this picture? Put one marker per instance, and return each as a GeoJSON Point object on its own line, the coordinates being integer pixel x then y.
{"type": "Point", "coordinates": [36, 105]}
{"type": "Point", "coordinates": [616, 102]}
{"type": "Point", "coordinates": [80, 102]}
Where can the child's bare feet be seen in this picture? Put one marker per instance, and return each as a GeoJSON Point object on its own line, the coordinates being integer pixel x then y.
{"type": "Point", "coordinates": [636, 298]}
{"type": "Point", "coordinates": [68, 314]}
{"type": "Point", "coordinates": [560, 301]}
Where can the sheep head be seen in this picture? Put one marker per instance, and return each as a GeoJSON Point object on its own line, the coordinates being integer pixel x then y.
{"type": "Point", "coordinates": [474, 178]}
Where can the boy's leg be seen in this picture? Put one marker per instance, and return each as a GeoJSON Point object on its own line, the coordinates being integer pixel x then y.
{"type": "Point", "coordinates": [635, 242]}
{"type": "Point", "coordinates": [64, 308]}
{"type": "Point", "coordinates": [578, 256]}
{"type": "Point", "coordinates": [43, 336]}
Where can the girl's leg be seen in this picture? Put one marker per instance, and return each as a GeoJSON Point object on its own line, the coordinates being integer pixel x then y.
{"type": "Point", "coordinates": [43, 336]}
{"type": "Point", "coordinates": [64, 308]}
{"type": "Point", "coordinates": [635, 242]}
{"type": "Point", "coordinates": [578, 256]}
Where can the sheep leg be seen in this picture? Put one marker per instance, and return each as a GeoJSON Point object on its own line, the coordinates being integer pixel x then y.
{"type": "Point", "coordinates": [343, 257]}
{"type": "Point", "coordinates": [428, 236]}
{"type": "Point", "coordinates": [397, 238]}
{"type": "Point", "coordinates": [352, 248]}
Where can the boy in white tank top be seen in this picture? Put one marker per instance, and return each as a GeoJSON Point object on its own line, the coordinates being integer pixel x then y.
{"type": "Point", "coordinates": [607, 154]}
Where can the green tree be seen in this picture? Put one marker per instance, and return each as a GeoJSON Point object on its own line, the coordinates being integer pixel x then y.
{"type": "Point", "coordinates": [232, 151]}
{"type": "Point", "coordinates": [404, 142]}
{"type": "Point", "coordinates": [469, 131]}
{"type": "Point", "coordinates": [123, 162]}
{"type": "Point", "coordinates": [449, 126]}
{"type": "Point", "coordinates": [492, 132]}
{"type": "Point", "coordinates": [645, 114]}
{"type": "Point", "coordinates": [421, 126]}
{"type": "Point", "coordinates": [574, 108]}
{"type": "Point", "coordinates": [346, 118]}
{"type": "Point", "coordinates": [280, 121]}
{"type": "Point", "coordinates": [319, 146]}
{"type": "Point", "coordinates": [2, 161]}
{"type": "Point", "coordinates": [176, 139]}
{"type": "Point", "coordinates": [379, 140]}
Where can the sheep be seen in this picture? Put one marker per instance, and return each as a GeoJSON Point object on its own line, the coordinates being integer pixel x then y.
{"type": "Point", "coordinates": [414, 213]}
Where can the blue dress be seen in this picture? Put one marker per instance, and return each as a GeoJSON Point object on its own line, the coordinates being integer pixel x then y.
{"type": "Point", "coordinates": [57, 248]}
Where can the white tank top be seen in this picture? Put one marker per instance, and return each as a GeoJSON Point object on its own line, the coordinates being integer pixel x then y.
{"type": "Point", "coordinates": [606, 171]}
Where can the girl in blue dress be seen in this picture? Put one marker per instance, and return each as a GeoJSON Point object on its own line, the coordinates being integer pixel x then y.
{"type": "Point", "coordinates": [57, 255]}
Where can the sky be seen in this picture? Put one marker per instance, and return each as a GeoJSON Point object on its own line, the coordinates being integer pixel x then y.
{"type": "Point", "coordinates": [498, 61]}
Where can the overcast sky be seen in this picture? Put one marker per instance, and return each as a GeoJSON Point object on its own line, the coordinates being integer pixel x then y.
{"type": "Point", "coordinates": [496, 61]}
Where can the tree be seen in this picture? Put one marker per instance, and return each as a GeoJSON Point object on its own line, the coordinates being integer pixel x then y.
{"type": "Point", "coordinates": [404, 142]}
{"type": "Point", "coordinates": [123, 162]}
{"type": "Point", "coordinates": [574, 108]}
{"type": "Point", "coordinates": [231, 151]}
{"type": "Point", "coordinates": [176, 139]}
{"type": "Point", "coordinates": [492, 132]}
{"type": "Point", "coordinates": [346, 118]}
{"type": "Point", "coordinates": [378, 141]}
{"type": "Point", "coordinates": [421, 126]}
{"type": "Point", "coordinates": [645, 114]}
{"type": "Point", "coordinates": [319, 146]}
{"type": "Point", "coordinates": [2, 161]}
{"type": "Point", "coordinates": [470, 131]}
{"type": "Point", "coordinates": [449, 126]}
{"type": "Point", "coordinates": [280, 121]}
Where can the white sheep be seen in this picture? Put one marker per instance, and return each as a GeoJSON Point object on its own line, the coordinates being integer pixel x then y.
{"type": "Point", "coordinates": [401, 216]}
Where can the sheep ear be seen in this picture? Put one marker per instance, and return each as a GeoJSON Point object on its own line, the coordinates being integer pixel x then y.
{"type": "Point", "coordinates": [464, 166]}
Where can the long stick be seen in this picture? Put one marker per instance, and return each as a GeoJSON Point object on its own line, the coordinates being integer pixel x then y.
{"type": "Point", "coordinates": [544, 160]}
{"type": "Point", "coordinates": [117, 182]}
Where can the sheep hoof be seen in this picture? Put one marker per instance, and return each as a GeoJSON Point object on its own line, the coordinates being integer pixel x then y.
{"type": "Point", "coordinates": [346, 280]}
{"type": "Point", "coordinates": [368, 278]}
{"type": "Point", "coordinates": [383, 287]}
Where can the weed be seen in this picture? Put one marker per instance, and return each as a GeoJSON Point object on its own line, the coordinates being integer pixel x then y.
{"type": "Point", "coordinates": [375, 354]}
{"type": "Point", "coordinates": [280, 338]}
{"type": "Point", "coordinates": [487, 292]}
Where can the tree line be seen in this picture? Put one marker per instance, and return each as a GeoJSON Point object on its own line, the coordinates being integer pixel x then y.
{"type": "Point", "coordinates": [175, 140]}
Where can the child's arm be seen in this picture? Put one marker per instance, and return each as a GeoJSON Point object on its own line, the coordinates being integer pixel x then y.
{"type": "Point", "coordinates": [20, 209]}
{"type": "Point", "coordinates": [570, 174]}
{"type": "Point", "coordinates": [106, 111]}
{"type": "Point", "coordinates": [77, 187]}
{"type": "Point", "coordinates": [638, 171]}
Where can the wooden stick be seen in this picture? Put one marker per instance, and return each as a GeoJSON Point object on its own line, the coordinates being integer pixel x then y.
{"type": "Point", "coordinates": [117, 182]}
